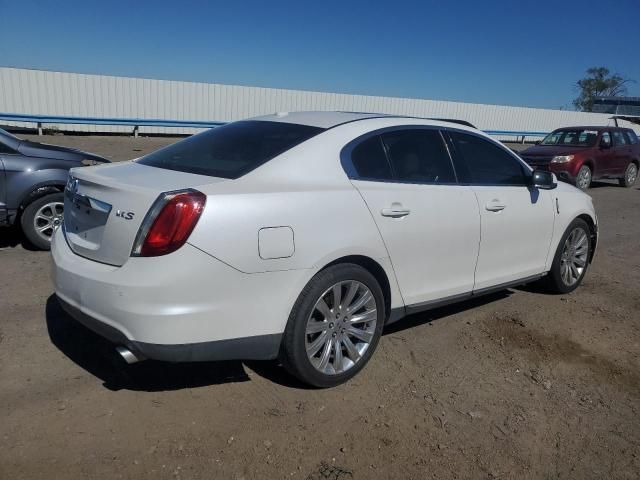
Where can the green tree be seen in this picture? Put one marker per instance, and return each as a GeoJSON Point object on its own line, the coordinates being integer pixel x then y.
{"type": "Point", "coordinates": [599, 82]}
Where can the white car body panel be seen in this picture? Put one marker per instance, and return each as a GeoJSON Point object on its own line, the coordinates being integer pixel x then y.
{"type": "Point", "coordinates": [264, 235]}
{"type": "Point", "coordinates": [429, 264]}
{"type": "Point", "coordinates": [516, 238]}
{"type": "Point", "coordinates": [157, 300]}
{"type": "Point", "coordinates": [568, 203]}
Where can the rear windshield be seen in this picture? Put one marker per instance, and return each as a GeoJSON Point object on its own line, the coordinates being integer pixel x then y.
{"type": "Point", "coordinates": [571, 138]}
{"type": "Point", "coordinates": [231, 150]}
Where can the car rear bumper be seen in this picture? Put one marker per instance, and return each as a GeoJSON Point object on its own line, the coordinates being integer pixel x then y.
{"type": "Point", "coordinates": [259, 347]}
{"type": "Point", "coordinates": [185, 306]}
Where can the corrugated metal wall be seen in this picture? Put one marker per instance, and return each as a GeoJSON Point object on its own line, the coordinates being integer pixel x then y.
{"type": "Point", "coordinates": [72, 94]}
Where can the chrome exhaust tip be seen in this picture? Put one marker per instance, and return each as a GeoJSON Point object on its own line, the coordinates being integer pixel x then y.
{"type": "Point", "coordinates": [127, 354]}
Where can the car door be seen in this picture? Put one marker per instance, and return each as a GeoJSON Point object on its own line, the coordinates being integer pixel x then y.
{"type": "Point", "coordinates": [604, 156]}
{"type": "Point", "coordinates": [516, 220]}
{"type": "Point", "coordinates": [621, 152]}
{"type": "Point", "coordinates": [430, 224]}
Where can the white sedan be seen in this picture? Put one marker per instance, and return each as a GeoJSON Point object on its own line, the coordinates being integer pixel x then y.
{"type": "Point", "coordinates": [299, 236]}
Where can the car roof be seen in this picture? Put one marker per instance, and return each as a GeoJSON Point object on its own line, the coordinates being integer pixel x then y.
{"type": "Point", "coordinates": [592, 127]}
{"type": "Point", "coordinates": [327, 119]}
{"type": "Point", "coordinates": [317, 119]}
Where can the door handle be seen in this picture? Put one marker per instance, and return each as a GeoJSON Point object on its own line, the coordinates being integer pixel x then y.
{"type": "Point", "coordinates": [395, 211]}
{"type": "Point", "coordinates": [495, 205]}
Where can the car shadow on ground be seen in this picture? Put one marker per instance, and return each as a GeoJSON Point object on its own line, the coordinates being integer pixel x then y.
{"type": "Point", "coordinates": [439, 313]}
{"type": "Point", "coordinates": [11, 237]}
{"type": "Point", "coordinates": [97, 355]}
{"type": "Point", "coordinates": [604, 183]}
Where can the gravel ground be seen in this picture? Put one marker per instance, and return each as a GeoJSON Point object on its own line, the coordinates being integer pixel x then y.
{"type": "Point", "coordinates": [520, 384]}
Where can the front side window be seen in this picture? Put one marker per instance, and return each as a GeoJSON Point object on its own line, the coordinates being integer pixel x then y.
{"type": "Point", "coordinates": [231, 150]}
{"type": "Point", "coordinates": [486, 163]}
{"type": "Point", "coordinates": [606, 139]}
{"type": "Point", "coordinates": [619, 139]}
{"type": "Point", "coordinates": [419, 156]}
{"type": "Point", "coordinates": [631, 136]}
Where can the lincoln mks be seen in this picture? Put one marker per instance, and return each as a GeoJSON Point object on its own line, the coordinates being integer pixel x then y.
{"type": "Point", "coordinates": [299, 236]}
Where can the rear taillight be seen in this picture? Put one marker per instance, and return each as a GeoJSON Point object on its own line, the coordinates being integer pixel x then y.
{"type": "Point", "coordinates": [169, 223]}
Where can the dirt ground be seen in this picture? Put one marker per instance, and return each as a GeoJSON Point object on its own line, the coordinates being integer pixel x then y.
{"type": "Point", "coordinates": [519, 384]}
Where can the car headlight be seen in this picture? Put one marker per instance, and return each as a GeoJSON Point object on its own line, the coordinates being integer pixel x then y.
{"type": "Point", "coordinates": [89, 162]}
{"type": "Point", "coordinates": [562, 159]}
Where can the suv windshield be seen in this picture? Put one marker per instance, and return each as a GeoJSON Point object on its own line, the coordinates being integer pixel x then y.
{"type": "Point", "coordinates": [571, 138]}
{"type": "Point", "coordinates": [231, 150]}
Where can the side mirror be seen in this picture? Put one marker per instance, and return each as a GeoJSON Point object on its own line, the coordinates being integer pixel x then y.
{"type": "Point", "coordinates": [543, 180]}
{"type": "Point", "coordinates": [538, 142]}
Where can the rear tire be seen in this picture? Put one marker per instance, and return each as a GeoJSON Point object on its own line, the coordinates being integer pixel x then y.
{"type": "Point", "coordinates": [334, 326]}
{"type": "Point", "coordinates": [630, 176]}
{"type": "Point", "coordinates": [571, 260]}
{"type": "Point", "coordinates": [41, 218]}
{"type": "Point", "coordinates": [583, 179]}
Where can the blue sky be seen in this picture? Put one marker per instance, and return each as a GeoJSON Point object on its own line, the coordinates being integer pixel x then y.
{"type": "Point", "coordinates": [527, 53]}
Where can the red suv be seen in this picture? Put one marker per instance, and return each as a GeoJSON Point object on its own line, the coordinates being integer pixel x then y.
{"type": "Point", "coordinates": [580, 154]}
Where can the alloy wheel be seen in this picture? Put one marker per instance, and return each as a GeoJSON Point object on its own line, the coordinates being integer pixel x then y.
{"type": "Point", "coordinates": [341, 327]}
{"type": "Point", "coordinates": [47, 219]}
{"type": "Point", "coordinates": [574, 256]}
{"type": "Point", "coordinates": [632, 174]}
{"type": "Point", "coordinates": [584, 178]}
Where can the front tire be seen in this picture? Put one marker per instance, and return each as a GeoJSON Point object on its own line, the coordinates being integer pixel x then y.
{"type": "Point", "coordinates": [41, 218]}
{"type": "Point", "coordinates": [334, 326]}
{"type": "Point", "coordinates": [583, 179]}
{"type": "Point", "coordinates": [630, 176]}
{"type": "Point", "coordinates": [572, 258]}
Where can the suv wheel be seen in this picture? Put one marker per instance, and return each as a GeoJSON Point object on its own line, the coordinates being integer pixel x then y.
{"type": "Point", "coordinates": [572, 258]}
{"type": "Point", "coordinates": [630, 176]}
{"type": "Point", "coordinates": [334, 327]}
{"type": "Point", "coordinates": [41, 218]}
{"type": "Point", "coordinates": [583, 179]}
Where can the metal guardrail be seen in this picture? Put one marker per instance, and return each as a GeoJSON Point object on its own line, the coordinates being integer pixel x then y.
{"type": "Point", "coordinates": [136, 123]}
{"type": "Point", "coordinates": [520, 136]}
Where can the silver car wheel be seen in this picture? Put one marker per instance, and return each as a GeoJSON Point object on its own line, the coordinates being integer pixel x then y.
{"type": "Point", "coordinates": [47, 219]}
{"type": "Point", "coordinates": [632, 173]}
{"type": "Point", "coordinates": [584, 178]}
{"type": "Point", "coordinates": [341, 327]}
{"type": "Point", "coordinates": [574, 256]}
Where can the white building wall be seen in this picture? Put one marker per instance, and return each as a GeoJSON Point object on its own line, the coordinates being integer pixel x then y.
{"type": "Point", "coordinates": [37, 92]}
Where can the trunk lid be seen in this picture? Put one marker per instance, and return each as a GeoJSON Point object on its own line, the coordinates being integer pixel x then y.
{"type": "Point", "coordinates": [105, 205]}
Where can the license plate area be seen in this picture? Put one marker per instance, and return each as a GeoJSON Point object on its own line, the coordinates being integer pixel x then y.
{"type": "Point", "coordinates": [85, 219]}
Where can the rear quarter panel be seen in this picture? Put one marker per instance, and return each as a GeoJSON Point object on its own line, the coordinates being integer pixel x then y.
{"type": "Point", "coordinates": [305, 189]}
{"type": "Point", "coordinates": [327, 223]}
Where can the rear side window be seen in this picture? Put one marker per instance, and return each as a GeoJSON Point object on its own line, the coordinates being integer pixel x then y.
{"type": "Point", "coordinates": [619, 138]}
{"type": "Point", "coordinates": [486, 163]}
{"type": "Point", "coordinates": [419, 156]}
{"type": "Point", "coordinates": [370, 161]}
{"type": "Point", "coordinates": [232, 150]}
